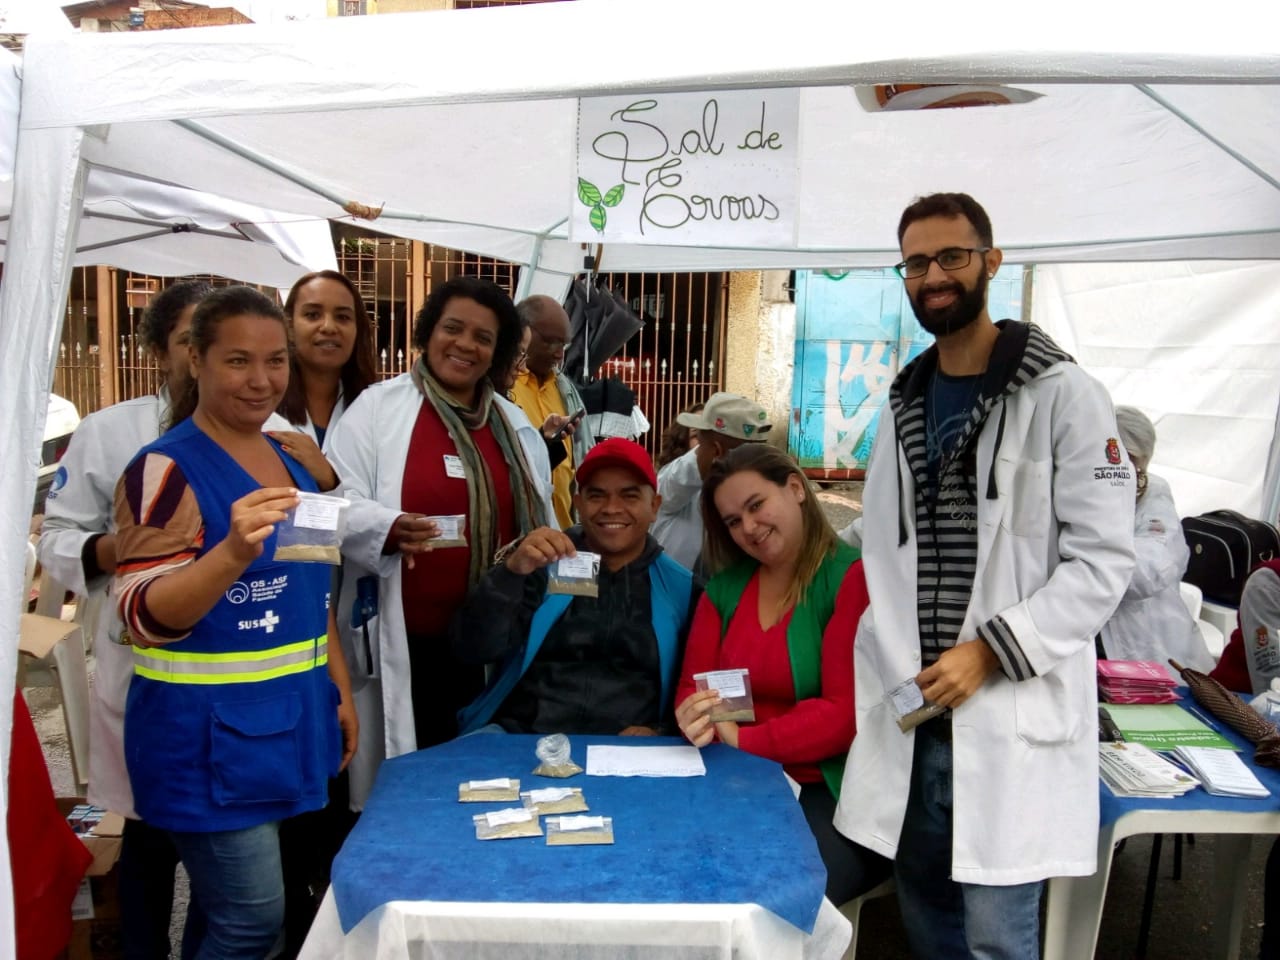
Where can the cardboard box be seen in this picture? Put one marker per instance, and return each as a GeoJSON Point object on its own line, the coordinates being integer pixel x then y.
{"type": "Point", "coordinates": [95, 927]}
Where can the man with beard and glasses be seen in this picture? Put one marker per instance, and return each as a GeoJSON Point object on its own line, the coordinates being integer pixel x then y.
{"type": "Point", "coordinates": [997, 540]}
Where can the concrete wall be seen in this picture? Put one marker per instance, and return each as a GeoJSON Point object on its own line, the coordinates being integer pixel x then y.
{"type": "Point", "coordinates": [760, 340]}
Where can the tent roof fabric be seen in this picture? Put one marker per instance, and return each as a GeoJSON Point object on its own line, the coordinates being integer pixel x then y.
{"type": "Point", "coordinates": [1154, 138]}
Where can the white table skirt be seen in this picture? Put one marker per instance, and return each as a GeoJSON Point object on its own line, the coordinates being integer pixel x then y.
{"type": "Point", "coordinates": [569, 931]}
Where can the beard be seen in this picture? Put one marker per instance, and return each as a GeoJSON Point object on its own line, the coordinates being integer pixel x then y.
{"type": "Point", "coordinates": [957, 315]}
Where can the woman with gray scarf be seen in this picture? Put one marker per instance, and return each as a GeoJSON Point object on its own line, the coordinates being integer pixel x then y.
{"type": "Point", "coordinates": [436, 442]}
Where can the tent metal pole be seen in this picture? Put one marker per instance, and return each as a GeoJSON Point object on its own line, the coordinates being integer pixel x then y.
{"type": "Point", "coordinates": [535, 258]}
{"type": "Point", "coordinates": [1234, 154]}
{"type": "Point", "coordinates": [357, 209]}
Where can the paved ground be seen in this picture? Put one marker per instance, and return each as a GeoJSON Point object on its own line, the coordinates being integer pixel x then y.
{"type": "Point", "coordinates": [1181, 928]}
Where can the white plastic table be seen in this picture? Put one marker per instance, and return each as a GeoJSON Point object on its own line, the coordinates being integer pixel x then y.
{"type": "Point", "coordinates": [1075, 903]}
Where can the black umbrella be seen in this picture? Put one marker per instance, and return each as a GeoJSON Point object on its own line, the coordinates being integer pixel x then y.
{"type": "Point", "coordinates": [600, 322]}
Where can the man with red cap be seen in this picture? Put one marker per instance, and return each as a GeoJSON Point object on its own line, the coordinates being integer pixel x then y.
{"type": "Point", "coordinates": [565, 663]}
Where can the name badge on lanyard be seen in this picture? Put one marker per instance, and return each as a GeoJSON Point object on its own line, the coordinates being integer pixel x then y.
{"type": "Point", "coordinates": [453, 467]}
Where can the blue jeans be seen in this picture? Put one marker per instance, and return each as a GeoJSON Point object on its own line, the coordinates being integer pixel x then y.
{"type": "Point", "coordinates": [945, 919]}
{"type": "Point", "coordinates": [147, 861]}
{"type": "Point", "coordinates": [235, 875]}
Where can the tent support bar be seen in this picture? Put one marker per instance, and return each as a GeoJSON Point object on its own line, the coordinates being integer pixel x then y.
{"type": "Point", "coordinates": [353, 207]}
{"type": "Point", "coordinates": [535, 261]}
{"type": "Point", "coordinates": [1234, 154]}
{"type": "Point", "coordinates": [228, 234]}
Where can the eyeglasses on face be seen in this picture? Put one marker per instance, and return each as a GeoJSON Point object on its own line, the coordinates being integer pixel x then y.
{"type": "Point", "coordinates": [952, 258]}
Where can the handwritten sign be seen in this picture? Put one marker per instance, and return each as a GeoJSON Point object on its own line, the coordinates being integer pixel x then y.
{"type": "Point", "coordinates": [687, 168]}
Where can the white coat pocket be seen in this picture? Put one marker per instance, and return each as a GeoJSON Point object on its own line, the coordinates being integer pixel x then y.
{"type": "Point", "coordinates": [1047, 709]}
{"type": "Point", "coordinates": [1028, 504]}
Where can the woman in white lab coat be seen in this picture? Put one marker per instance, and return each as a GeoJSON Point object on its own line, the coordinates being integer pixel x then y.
{"type": "Point", "coordinates": [438, 441]}
{"type": "Point", "coordinates": [1152, 622]}
{"type": "Point", "coordinates": [334, 360]}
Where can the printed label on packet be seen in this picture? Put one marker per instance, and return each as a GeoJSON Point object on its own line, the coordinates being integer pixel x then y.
{"type": "Point", "coordinates": [906, 697]}
{"type": "Point", "coordinates": [501, 783]}
{"type": "Point", "coordinates": [583, 566]}
{"type": "Point", "coordinates": [728, 683]}
{"type": "Point", "coordinates": [550, 794]}
{"type": "Point", "coordinates": [318, 513]}
{"type": "Point", "coordinates": [568, 824]}
{"type": "Point", "coordinates": [500, 818]}
{"type": "Point", "coordinates": [450, 527]}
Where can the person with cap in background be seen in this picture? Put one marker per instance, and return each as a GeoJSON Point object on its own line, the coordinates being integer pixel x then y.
{"type": "Point", "coordinates": [727, 421]}
{"type": "Point", "coordinates": [564, 663]}
{"type": "Point", "coordinates": [1152, 622]}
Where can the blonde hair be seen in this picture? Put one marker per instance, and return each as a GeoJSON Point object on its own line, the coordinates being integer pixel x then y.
{"type": "Point", "coordinates": [721, 552]}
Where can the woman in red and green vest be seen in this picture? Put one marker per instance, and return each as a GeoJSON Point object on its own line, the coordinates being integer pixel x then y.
{"type": "Point", "coordinates": [783, 602]}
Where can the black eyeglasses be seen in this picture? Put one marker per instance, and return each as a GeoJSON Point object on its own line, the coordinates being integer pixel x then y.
{"type": "Point", "coordinates": [952, 258]}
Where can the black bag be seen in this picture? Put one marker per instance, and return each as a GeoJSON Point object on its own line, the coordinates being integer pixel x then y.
{"type": "Point", "coordinates": [1225, 546]}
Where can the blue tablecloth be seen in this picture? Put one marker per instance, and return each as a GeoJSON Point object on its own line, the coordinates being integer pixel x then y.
{"type": "Point", "coordinates": [736, 835]}
{"type": "Point", "coordinates": [1114, 807]}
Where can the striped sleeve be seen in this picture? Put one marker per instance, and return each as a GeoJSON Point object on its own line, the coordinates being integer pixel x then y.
{"type": "Point", "coordinates": [1013, 662]}
{"type": "Point", "coordinates": [159, 530]}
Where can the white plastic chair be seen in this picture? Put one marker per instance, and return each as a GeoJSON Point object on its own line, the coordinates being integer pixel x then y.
{"type": "Point", "coordinates": [66, 667]}
{"type": "Point", "coordinates": [853, 910]}
{"type": "Point", "coordinates": [1193, 599]}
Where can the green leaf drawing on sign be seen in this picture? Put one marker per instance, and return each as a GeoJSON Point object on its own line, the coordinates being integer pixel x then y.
{"type": "Point", "coordinates": [588, 192]}
{"type": "Point", "coordinates": [598, 217]}
{"type": "Point", "coordinates": [614, 196]}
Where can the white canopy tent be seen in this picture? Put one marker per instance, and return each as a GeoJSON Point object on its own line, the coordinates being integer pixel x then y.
{"type": "Point", "coordinates": [156, 228]}
{"type": "Point", "coordinates": [1155, 139]}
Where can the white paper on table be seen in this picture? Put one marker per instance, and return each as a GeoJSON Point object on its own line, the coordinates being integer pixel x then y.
{"type": "Point", "coordinates": [609, 761]}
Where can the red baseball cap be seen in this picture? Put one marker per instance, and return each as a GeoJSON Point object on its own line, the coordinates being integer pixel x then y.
{"type": "Point", "coordinates": [618, 452]}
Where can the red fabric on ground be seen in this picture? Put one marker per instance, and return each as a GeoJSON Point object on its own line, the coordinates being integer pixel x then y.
{"type": "Point", "coordinates": [47, 859]}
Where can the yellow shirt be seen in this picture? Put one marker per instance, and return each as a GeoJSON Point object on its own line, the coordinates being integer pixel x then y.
{"type": "Point", "coordinates": [539, 401]}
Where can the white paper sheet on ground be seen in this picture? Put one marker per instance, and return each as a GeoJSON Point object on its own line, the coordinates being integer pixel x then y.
{"type": "Point", "coordinates": [607, 761]}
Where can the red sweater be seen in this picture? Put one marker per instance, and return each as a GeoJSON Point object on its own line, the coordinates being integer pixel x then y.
{"type": "Point", "coordinates": [797, 735]}
{"type": "Point", "coordinates": [1232, 670]}
{"type": "Point", "coordinates": [437, 584]}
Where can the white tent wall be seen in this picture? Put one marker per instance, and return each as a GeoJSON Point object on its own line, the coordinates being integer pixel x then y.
{"type": "Point", "coordinates": [439, 117]}
{"type": "Point", "coordinates": [33, 295]}
{"type": "Point", "coordinates": [1195, 346]}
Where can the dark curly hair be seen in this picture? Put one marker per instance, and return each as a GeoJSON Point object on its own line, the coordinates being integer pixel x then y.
{"type": "Point", "coordinates": [162, 313]}
{"type": "Point", "coordinates": [489, 295]}
{"type": "Point", "coordinates": [675, 439]}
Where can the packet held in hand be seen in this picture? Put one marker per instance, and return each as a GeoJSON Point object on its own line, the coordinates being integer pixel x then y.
{"type": "Point", "coordinates": [505, 824]}
{"type": "Point", "coordinates": [734, 687]}
{"type": "Point", "coordinates": [553, 751]}
{"type": "Point", "coordinates": [908, 705]}
{"type": "Point", "coordinates": [577, 575]}
{"type": "Point", "coordinates": [578, 831]}
{"type": "Point", "coordinates": [483, 791]}
{"type": "Point", "coordinates": [554, 800]}
{"type": "Point", "coordinates": [313, 530]}
{"type": "Point", "coordinates": [452, 531]}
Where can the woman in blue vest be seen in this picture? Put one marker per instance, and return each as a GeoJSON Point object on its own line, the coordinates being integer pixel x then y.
{"type": "Point", "coordinates": [236, 717]}
{"type": "Point", "coordinates": [783, 602]}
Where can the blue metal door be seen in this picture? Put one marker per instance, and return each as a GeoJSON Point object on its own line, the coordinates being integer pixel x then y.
{"type": "Point", "coordinates": [854, 332]}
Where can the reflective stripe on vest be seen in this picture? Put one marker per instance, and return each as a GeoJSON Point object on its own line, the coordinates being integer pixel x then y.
{"type": "Point", "coordinates": [172, 666]}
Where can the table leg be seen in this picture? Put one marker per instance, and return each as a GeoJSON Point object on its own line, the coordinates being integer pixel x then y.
{"type": "Point", "coordinates": [1074, 910]}
{"type": "Point", "coordinates": [1230, 878]}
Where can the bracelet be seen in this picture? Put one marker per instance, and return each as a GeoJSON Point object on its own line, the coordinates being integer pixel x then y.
{"type": "Point", "coordinates": [500, 556]}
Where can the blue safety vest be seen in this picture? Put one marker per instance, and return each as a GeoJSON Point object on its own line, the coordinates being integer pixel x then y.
{"type": "Point", "coordinates": [236, 724]}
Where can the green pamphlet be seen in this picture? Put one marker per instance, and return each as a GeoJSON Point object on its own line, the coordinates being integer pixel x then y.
{"type": "Point", "coordinates": [1163, 726]}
